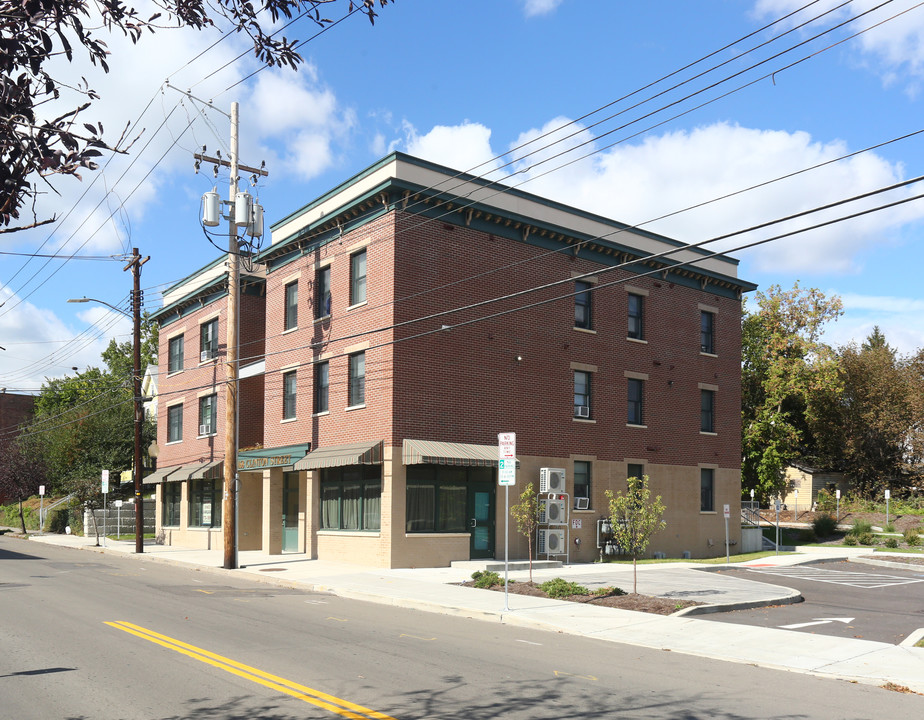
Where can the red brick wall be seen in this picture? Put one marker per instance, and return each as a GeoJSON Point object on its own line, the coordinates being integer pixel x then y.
{"type": "Point", "coordinates": [347, 329]}
{"type": "Point", "coordinates": [15, 410]}
{"type": "Point", "coordinates": [466, 385]}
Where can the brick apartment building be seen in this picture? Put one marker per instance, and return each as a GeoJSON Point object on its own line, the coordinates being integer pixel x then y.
{"type": "Point", "coordinates": [398, 323]}
{"type": "Point", "coordinates": [15, 410]}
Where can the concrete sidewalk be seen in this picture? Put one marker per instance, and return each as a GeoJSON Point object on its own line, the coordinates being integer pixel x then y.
{"type": "Point", "coordinates": [438, 590]}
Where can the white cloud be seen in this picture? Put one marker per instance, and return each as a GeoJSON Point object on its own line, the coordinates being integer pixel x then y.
{"type": "Point", "coordinates": [533, 8]}
{"type": "Point", "coordinates": [38, 350]}
{"type": "Point", "coordinates": [667, 173]}
{"type": "Point", "coordinates": [898, 318]}
{"type": "Point", "coordinates": [465, 147]}
{"type": "Point", "coordinates": [897, 41]}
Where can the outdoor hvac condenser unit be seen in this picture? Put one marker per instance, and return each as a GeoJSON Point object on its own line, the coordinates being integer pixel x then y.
{"type": "Point", "coordinates": [551, 480]}
{"type": "Point", "coordinates": [551, 542]}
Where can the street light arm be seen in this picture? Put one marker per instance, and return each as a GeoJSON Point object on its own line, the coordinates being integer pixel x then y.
{"type": "Point", "coordinates": [101, 302]}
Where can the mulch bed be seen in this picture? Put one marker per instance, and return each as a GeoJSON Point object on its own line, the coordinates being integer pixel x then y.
{"type": "Point", "coordinates": [899, 522]}
{"type": "Point", "coordinates": [630, 601]}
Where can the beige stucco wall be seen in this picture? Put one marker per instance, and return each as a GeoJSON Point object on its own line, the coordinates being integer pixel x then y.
{"type": "Point", "coordinates": [702, 534]}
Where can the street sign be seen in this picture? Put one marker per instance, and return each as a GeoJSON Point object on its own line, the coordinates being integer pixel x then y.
{"type": "Point", "coordinates": [41, 489]}
{"type": "Point", "coordinates": [117, 503]}
{"type": "Point", "coordinates": [105, 482]}
{"type": "Point", "coordinates": [507, 458]}
{"type": "Point", "coordinates": [727, 511]}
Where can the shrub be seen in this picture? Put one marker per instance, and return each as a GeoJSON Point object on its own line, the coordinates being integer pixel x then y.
{"type": "Point", "coordinates": [850, 540]}
{"type": "Point", "coordinates": [861, 527]}
{"type": "Point", "coordinates": [866, 538]}
{"type": "Point", "coordinates": [559, 588]}
{"type": "Point", "coordinates": [57, 520]}
{"type": "Point", "coordinates": [486, 579]}
{"type": "Point", "coordinates": [599, 592]}
{"type": "Point", "coordinates": [890, 528]}
{"type": "Point", "coordinates": [911, 536]}
{"type": "Point", "coordinates": [891, 542]}
{"type": "Point", "coordinates": [824, 525]}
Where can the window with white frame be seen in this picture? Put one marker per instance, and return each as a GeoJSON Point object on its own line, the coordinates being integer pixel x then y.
{"type": "Point", "coordinates": [358, 277]}
{"type": "Point", "coordinates": [289, 394]}
{"type": "Point", "coordinates": [291, 309]}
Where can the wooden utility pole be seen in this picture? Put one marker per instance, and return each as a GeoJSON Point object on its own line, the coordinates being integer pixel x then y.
{"type": "Point", "coordinates": [135, 266]}
{"type": "Point", "coordinates": [229, 494]}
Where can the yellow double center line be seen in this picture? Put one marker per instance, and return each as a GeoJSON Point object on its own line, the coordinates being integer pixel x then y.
{"type": "Point", "coordinates": [344, 708]}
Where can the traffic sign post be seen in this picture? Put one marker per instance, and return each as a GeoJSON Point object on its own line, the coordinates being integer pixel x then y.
{"type": "Point", "coordinates": [506, 476]}
{"type": "Point", "coordinates": [888, 494]}
{"type": "Point", "coordinates": [105, 493]}
{"type": "Point", "coordinates": [41, 508]}
{"type": "Point", "coordinates": [727, 512]}
{"type": "Point", "coordinates": [777, 526]}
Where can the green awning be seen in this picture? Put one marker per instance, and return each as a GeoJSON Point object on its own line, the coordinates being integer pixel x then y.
{"type": "Point", "coordinates": [362, 453]}
{"type": "Point", "coordinates": [432, 452]}
{"type": "Point", "coordinates": [284, 456]}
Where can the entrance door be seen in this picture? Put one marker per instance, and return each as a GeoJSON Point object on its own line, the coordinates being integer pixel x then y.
{"type": "Point", "coordinates": [481, 519]}
{"type": "Point", "coordinates": [290, 512]}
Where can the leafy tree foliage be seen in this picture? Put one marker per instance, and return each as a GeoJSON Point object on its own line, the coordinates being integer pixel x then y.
{"type": "Point", "coordinates": [635, 518]}
{"type": "Point", "coordinates": [33, 33]}
{"type": "Point", "coordinates": [85, 423]}
{"type": "Point", "coordinates": [866, 423]}
{"type": "Point", "coordinates": [784, 362]}
{"type": "Point", "coordinates": [22, 470]}
{"type": "Point", "coordinates": [526, 515]}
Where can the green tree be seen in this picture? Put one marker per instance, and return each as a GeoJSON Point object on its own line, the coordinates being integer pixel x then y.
{"type": "Point", "coordinates": [635, 518]}
{"type": "Point", "coordinates": [85, 423]}
{"type": "Point", "coordinates": [864, 424]}
{"type": "Point", "coordinates": [526, 515]}
{"type": "Point", "coordinates": [784, 362]}
{"type": "Point", "coordinates": [21, 473]}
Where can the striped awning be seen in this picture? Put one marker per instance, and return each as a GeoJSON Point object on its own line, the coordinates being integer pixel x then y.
{"type": "Point", "coordinates": [207, 471]}
{"type": "Point", "coordinates": [160, 475]}
{"type": "Point", "coordinates": [432, 452]}
{"type": "Point", "coordinates": [362, 453]}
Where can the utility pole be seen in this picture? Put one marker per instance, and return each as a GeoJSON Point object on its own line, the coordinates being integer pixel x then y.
{"type": "Point", "coordinates": [135, 266]}
{"type": "Point", "coordinates": [239, 216]}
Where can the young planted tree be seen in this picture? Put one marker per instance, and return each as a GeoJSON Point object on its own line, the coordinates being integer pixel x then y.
{"type": "Point", "coordinates": [526, 515]}
{"type": "Point", "coordinates": [635, 518]}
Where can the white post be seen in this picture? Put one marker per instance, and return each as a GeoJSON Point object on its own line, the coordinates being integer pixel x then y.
{"type": "Point", "coordinates": [888, 494]}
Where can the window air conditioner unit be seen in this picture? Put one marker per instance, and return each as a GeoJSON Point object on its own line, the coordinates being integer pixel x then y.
{"type": "Point", "coordinates": [581, 503]}
{"type": "Point", "coordinates": [582, 411]}
{"type": "Point", "coordinates": [551, 542]}
{"type": "Point", "coordinates": [205, 355]}
{"type": "Point", "coordinates": [204, 429]}
{"type": "Point", "coordinates": [551, 480]}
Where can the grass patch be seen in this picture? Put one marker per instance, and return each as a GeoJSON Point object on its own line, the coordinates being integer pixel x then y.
{"type": "Point", "coordinates": [919, 643]}
{"type": "Point", "coordinates": [744, 557]}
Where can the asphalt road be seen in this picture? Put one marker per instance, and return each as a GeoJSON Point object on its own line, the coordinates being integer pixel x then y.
{"type": "Point", "coordinates": [843, 599]}
{"type": "Point", "coordinates": [86, 635]}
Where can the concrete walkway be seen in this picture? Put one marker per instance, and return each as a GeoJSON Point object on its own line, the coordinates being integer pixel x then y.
{"type": "Point", "coordinates": [437, 590]}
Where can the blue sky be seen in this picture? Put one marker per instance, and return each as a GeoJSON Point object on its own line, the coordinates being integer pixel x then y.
{"type": "Point", "coordinates": [461, 83]}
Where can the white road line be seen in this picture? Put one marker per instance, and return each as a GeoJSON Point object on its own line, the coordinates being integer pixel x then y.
{"type": "Point", "coordinates": [839, 577]}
